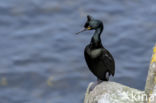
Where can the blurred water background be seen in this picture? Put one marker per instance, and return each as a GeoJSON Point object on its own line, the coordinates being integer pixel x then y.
{"type": "Point", "coordinates": [42, 58]}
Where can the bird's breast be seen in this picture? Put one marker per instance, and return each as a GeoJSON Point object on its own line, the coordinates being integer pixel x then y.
{"type": "Point", "coordinates": [93, 53]}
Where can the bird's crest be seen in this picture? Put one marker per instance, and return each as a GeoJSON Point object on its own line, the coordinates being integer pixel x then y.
{"type": "Point", "coordinates": [89, 18]}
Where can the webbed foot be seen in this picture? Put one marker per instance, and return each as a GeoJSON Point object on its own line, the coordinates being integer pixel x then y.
{"type": "Point", "coordinates": [94, 85]}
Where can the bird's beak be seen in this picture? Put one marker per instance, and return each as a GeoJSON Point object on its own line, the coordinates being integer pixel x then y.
{"type": "Point", "coordinates": [89, 28]}
{"type": "Point", "coordinates": [85, 29]}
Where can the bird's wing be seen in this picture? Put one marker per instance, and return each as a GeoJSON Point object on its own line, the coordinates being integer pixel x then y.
{"type": "Point", "coordinates": [108, 60]}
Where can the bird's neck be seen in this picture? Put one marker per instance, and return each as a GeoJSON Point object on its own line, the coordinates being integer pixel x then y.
{"type": "Point", "coordinates": [96, 37]}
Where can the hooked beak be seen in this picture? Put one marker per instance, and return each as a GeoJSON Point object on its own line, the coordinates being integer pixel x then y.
{"type": "Point", "coordinates": [85, 29]}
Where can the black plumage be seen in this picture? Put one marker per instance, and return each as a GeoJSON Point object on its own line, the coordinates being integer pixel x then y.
{"type": "Point", "coordinates": [98, 59]}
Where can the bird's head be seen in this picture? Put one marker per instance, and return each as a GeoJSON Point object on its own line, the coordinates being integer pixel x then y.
{"type": "Point", "coordinates": [91, 24]}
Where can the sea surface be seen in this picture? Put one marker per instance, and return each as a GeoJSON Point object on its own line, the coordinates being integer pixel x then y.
{"type": "Point", "coordinates": [41, 58]}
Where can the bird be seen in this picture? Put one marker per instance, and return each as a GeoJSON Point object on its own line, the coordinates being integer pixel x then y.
{"type": "Point", "coordinates": [99, 60]}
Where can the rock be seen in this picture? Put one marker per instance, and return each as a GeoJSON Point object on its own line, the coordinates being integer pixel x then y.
{"type": "Point", "coordinates": [111, 92]}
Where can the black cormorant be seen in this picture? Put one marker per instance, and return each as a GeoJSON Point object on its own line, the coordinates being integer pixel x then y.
{"type": "Point", "coordinates": [99, 59]}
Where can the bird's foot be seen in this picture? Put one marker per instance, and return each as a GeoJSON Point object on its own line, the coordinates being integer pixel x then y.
{"type": "Point", "coordinates": [94, 85]}
{"type": "Point", "coordinates": [107, 76]}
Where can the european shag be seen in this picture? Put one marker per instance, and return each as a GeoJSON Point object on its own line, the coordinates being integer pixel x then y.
{"type": "Point", "coordinates": [98, 59]}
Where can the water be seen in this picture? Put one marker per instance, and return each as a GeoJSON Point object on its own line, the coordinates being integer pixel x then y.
{"type": "Point", "coordinates": [42, 58]}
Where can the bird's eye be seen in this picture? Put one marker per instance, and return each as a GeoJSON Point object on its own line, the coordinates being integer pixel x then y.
{"type": "Point", "coordinates": [86, 25]}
